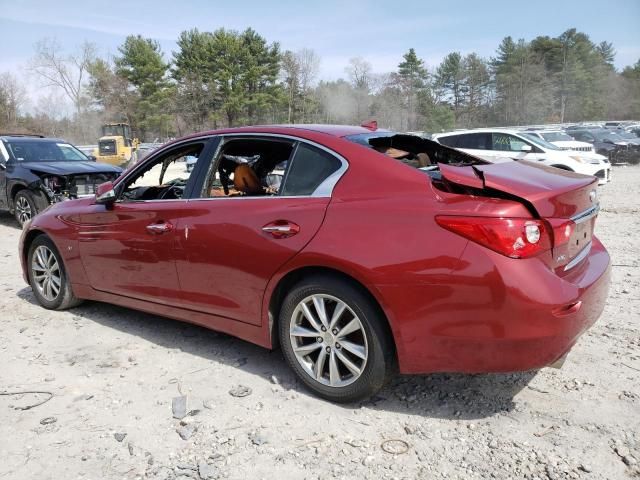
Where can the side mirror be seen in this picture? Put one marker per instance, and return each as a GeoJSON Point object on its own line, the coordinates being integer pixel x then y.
{"type": "Point", "coordinates": [526, 148]}
{"type": "Point", "coordinates": [105, 194]}
{"type": "Point", "coordinates": [607, 140]}
{"type": "Point", "coordinates": [91, 158]}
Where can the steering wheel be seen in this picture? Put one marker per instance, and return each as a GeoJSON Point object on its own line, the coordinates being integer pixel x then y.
{"type": "Point", "coordinates": [172, 192]}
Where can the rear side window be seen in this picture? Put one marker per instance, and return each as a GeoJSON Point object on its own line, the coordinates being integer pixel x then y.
{"type": "Point", "coordinates": [449, 141]}
{"type": "Point", "coordinates": [309, 167]}
{"type": "Point", "coordinates": [475, 141]}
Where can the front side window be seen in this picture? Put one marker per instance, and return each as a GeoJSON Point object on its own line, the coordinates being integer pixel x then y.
{"type": "Point", "coordinates": [507, 143]}
{"type": "Point", "coordinates": [165, 178]}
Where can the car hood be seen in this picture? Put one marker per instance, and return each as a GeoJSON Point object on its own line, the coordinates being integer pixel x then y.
{"type": "Point", "coordinates": [70, 168]}
{"type": "Point", "coordinates": [572, 144]}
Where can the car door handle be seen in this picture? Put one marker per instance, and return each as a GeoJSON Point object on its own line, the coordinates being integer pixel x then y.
{"type": "Point", "coordinates": [281, 229]}
{"type": "Point", "coordinates": [159, 228]}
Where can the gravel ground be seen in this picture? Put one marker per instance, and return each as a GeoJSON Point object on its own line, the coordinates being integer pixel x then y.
{"type": "Point", "coordinates": [114, 375]}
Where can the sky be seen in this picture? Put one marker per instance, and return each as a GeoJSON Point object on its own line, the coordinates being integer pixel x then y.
{"type": "Point", "coordinates": [379, 31]}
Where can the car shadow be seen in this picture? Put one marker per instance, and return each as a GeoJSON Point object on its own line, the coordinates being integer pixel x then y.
{"type": "Point", "coordinates": [447, 396]}
{"type": "Point", "coordinates": [8, 220]}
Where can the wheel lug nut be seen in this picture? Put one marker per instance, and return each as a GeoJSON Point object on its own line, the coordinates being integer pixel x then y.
{"type": "Point", "coordinates": [337, 345]}
{"type": "Point", "coordinates": [324, 329]}
{"type": "Point", "coordinates": [319, 339]}
{"type": "Point", "coordinates": [334, 331]}
{"type": "Point", "coordinates": [328, 349]}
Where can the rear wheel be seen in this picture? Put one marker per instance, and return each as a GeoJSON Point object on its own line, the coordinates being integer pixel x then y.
{"type": "Point", "coordinates": [25, 206]}
{"type": "Point", "coordinates": [335, 339]}
{"type": "Point", "coordinates": [47, 276]}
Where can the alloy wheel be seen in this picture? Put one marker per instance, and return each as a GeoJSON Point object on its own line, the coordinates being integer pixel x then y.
{"type": "Point", "coordinates": [46, 273]}
{"type": "Point", "coordinates": [328, 340]}
{"type": "Point", "coordinates": [23, 210]}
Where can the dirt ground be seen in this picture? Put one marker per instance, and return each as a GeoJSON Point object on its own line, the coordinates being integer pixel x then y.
{"type": "Point", "coordinates": [113, 373]}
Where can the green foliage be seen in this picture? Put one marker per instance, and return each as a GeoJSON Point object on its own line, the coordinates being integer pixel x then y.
{"type": "Point", "coordinates": [141, 63]}
{"type": "Point", "coordinates": [228, 78]}
{"type": "Point", "coordinates": [146, 93]}
{"type": "Point", "coordinates": [232, 74]}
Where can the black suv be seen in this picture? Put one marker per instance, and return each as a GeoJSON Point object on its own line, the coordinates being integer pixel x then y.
{"type": "Point", "coordinates": [608, 143]}
{"type": "Point", "coordinates": [36, 172]}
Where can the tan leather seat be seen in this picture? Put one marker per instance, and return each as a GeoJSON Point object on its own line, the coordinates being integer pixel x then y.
{"type": "Point", "coordinates": [245, 180]}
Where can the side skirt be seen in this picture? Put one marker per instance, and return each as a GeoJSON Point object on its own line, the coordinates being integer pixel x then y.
{"type": "Point", "coordinates": [245, 331]}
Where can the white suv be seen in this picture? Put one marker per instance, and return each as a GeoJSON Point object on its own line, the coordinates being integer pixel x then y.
{"type": "Point", "coordinates": [565, 141]}
{"type": "Point", "coordinates": [496, 145]}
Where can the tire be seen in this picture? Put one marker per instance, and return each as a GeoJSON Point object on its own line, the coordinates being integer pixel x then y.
{"type": "Point", "coordinates": [371, 339]}
{"type": "Point", "coordinates": [25, 206]}
{"type": "Point", "coordinates": [58, 295]}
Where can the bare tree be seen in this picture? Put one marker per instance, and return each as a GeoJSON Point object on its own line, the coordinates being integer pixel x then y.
{"type": "Point", "coordinates": [309, 66]}
{"type": "Point", "coordinates": [359, 72]}
{"type": "Point", "coordinates": [12, 98]}
{"type": "Point", "coordinates": [290, 71]}
{"type": "Point", "coordinates": [66, 72]}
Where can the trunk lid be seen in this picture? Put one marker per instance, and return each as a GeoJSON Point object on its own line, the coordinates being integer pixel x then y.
{"type": "Point", "coordinates": [567, 201]}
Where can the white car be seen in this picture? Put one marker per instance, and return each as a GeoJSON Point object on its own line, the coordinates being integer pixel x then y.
{"type": "Point", "coordinates": [496, 145]}
{"type": "Point", "coordinates": [563, 140]}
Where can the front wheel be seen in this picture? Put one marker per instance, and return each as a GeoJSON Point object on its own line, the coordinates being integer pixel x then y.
{"type": "Point", "coordinates": [48, 277]}
{"type": "Point", "coordinates": [25, 206]}
{"type": "Point", "coordinates": [335, 339]}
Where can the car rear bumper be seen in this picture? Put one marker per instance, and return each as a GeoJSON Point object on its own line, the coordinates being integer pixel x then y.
{"type": "Point", "coordinates": [511, 320]}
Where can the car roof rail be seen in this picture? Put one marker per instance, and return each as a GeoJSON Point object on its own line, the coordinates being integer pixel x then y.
{"type": "Point", "coordinates": [35, 135]}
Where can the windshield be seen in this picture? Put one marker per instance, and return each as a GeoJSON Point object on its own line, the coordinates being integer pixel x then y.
{"type": "Point", "coordinates": [539, 142]}
{"type": "Point", "coordinates": [112, 131]}
{"type": "Point", "coordinates": [626, 135]}
{"type": "Point", "coordinates": [557, 137]}
{"type": "Point", "coordinates": [39, 151]}
{"type": "Point", "coordinates": [601, 135]}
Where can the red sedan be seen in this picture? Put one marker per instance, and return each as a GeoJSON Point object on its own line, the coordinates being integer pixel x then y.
{"type": "Point", "coordinates": [353, 249]}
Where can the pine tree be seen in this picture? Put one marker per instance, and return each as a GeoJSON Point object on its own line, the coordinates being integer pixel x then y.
{"type": "Point", "coordinates": [413, 76]}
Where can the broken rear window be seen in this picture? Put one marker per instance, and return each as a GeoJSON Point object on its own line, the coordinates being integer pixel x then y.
{"type": "Point", "coordinates": [412, 150]}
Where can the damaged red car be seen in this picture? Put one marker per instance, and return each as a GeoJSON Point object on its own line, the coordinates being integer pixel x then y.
{"type": "Point", "coordinates": [357, 251]}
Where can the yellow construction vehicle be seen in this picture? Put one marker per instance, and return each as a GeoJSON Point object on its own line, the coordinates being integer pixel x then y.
{"type": "Point", "coordinates": [116, 146]}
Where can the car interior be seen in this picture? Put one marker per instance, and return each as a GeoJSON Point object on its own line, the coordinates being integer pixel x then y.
{"type": "Point", "coordinates": [164, 179]}
{"type": "Point", "coordinates": [258, 166]}
{"type": "Point", "coordinates": [249, 167]}
{"type": "Point", "coordinates": [414, 151]}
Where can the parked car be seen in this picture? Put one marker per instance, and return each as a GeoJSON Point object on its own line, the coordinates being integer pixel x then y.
{"type": "Point", "coordinates": [629, 137]}
{"type": "Point", "coordinates": [356, 263]}
{"type": "Point", "coordinates": [36, 172]}
{"type": "Point", "coordinates": [607, 142]}
{"type": "Point", "coordinates": [504, 144]}
{"type": "Point", "coordinates": [564, 141]}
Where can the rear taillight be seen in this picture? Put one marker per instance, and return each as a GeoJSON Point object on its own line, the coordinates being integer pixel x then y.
{"type": "Point", "coordinates": [513, 237]}
{"type": "Point", "coordinates": [562, 230]}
